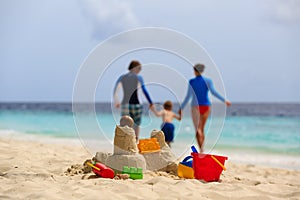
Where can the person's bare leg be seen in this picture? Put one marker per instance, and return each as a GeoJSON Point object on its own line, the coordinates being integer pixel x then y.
{"type": "Point", "coordinates": [137, 133]}
{"type": "Point", "coordinates": [169, 144]}
{"type": "Point", "coordinates": [201, 126]}
{"type": "Point", "coordinates": [195, 116]}
{"type": "Point", "coordinates": [203, 119]}
{"type": "Point", "coordinates": [197, 126]}
{"type": "Point", "coordinates": [200, 137]}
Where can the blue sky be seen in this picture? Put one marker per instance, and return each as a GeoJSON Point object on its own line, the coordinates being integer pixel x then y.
{"type": "Point", "coordinates": [254, 43]}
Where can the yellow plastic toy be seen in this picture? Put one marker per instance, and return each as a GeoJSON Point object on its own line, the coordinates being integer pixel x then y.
{"type": "Point", "coordinates": [185, 168]}
{"type": "Point", "coordinates": [148, 145]}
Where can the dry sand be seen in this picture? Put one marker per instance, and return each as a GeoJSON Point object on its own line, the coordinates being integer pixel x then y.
{"type": "Point", "coordinates": [35, 170]}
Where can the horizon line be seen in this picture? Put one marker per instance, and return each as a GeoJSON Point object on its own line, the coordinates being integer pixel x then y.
{"type": "Point", "coordinates": [107, 102]}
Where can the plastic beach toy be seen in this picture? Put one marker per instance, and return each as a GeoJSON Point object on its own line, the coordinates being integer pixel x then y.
{"type": "Point", "coordinates": [208, 167]}
{"type": "Point", "coordinates": [148, 145]}
{"type": "Point", "coordinates": [185, 168]}
{"type": "Point", "coordinates": [101, 170]}
{"type": "Point", "coordinates": [219, 163]}
{"type": "Point", "coordinates": [134, 173]}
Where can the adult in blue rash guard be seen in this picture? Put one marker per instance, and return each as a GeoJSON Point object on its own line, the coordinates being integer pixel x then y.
{"type": "Point", "coordinates": [198, 89]}
{"type": "Point", "coordinates": [130, 105]}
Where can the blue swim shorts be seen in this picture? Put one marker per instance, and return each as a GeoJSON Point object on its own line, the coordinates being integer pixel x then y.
{"type": "Point", "coordinates": [168, 129]}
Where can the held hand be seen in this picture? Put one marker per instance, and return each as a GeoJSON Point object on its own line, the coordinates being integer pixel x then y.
{"type": "Point", "coordinates": [151, 106]}
{"type": "Point", "coordinates": [180, 113]}
{"type": "Point", "coordinates": [228, 103]}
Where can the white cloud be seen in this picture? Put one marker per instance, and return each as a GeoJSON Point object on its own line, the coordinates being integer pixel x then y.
{"type": "Point", "coordinates": [109, 16]}
{"type": "Point", "coordinates": [285, 11]}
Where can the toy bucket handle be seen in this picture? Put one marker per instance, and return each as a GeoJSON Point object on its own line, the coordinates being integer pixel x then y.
{"type": "Point", "coordinates": [187, 158]}
{"type": "Point", "coordinates": [218, 162]}
{"type": "Point", "coordinates": [194, 150]}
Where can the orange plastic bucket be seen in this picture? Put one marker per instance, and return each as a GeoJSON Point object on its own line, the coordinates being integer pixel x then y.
{"type": "Point", "coordinates": [208, 167]}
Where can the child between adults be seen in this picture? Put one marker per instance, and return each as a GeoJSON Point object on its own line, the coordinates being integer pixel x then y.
{"type": "Point", "coordinates": [167, 117]}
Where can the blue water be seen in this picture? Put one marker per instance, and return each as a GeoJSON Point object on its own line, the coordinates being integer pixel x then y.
{"type": "Point", "coordinates": [264, 133]}
{"type": "Point", "coordinates": [270, 133]}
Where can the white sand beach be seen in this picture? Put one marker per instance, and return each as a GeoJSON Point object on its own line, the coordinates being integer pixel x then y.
{"type": "Point", "coordinates": [35, 170]}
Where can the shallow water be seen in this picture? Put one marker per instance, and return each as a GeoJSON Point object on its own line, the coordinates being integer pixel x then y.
{"type": "Point", "coordinates": [240, 136]}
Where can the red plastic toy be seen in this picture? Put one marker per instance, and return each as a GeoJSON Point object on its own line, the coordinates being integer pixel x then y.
{"type": "Point", "coordinates": [102, 171]}
{"type": "Point", "coordinates": [208, 167]}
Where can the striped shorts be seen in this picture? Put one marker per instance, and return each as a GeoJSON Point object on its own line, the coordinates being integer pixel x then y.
{"type": "Point", "coordinates": [134, 111]}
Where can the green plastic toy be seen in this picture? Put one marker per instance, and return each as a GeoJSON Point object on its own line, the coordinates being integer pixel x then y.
{"type": "Point", "coordinates": [134, 173]}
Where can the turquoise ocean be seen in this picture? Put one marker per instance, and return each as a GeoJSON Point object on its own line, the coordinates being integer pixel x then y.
{"type": "Point", "coordinates": [266, 134]}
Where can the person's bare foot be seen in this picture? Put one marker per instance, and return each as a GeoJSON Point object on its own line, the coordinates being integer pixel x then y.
{"type": "Point", "coordinates": [201, 150]}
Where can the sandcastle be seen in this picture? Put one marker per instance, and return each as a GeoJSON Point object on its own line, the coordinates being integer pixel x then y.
{"type": "Point", "coordinates": [126, 152]}
{"type": "Point", "coordinates": [164, 160]}
{"type": "Point", "coordinates": [125, 148]}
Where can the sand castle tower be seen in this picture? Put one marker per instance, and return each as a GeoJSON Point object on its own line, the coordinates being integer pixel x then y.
{"type": "Point", "coordinates": [125, 148]}
{"type": "Point", "coordinates": [124, 140]}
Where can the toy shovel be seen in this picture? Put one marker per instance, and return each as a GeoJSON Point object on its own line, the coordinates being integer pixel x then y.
{"type": "Point", "coordinates": [101, 170]}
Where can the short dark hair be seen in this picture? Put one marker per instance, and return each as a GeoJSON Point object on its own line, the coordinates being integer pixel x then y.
{"type": "Point", "coordinates": [168, 105]}
{"type": "Point", "coordinates": [133, 64]}
{"type": "Point", "coordinates": [199, 67]}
